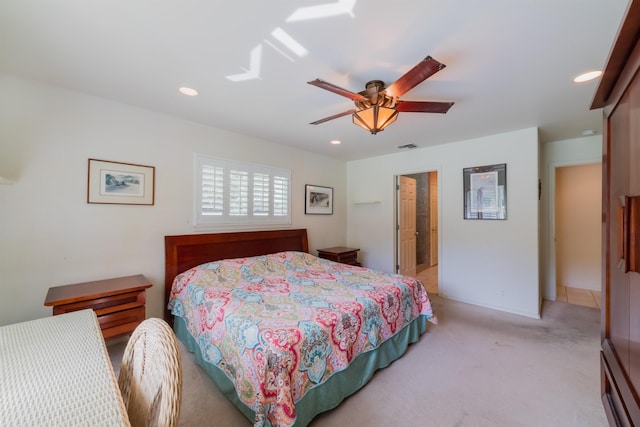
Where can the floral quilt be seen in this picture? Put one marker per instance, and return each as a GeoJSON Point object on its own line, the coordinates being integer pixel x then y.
{"type": "Point", "coordinates": [278, 325]}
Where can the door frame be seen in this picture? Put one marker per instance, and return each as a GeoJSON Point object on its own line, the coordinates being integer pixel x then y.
{"type": "Point", "coordinates": [396, 235]}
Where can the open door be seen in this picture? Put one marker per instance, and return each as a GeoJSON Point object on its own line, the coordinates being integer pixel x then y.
{"type": "Point", "coordinates": [433, 218]}
{"type": "Point", "coordinates": [407, 225]}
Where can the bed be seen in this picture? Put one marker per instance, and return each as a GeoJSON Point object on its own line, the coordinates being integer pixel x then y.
{"type": "Point", "coordinates": [283, 334]}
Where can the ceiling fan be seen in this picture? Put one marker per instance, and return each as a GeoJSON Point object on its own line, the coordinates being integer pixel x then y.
{"type": "Point", "coordinates": [378, 106]}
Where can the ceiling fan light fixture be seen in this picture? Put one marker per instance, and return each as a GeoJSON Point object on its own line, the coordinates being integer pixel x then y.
{"type": "Point", "coordinates": [375, 118]}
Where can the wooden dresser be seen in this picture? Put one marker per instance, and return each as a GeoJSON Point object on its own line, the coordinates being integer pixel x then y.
{"type": "Point", "coordinates": [340, 254]}
{"type": "Point", "coordinates": [619, 96]}
{"type": "Point", "coordinates": [119, 303]}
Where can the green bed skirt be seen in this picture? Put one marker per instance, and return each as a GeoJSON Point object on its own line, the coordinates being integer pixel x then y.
{"type": "Point", "coordinates": [335, 389]}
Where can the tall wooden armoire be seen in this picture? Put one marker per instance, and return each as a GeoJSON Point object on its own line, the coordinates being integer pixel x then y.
{"type": "Point", "coordinates": [619, 96]}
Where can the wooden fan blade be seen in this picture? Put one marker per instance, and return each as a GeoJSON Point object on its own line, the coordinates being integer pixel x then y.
{"type": "Point", "coordinates": [423, 106]}
{"type": "Point", "coordinates": [422, 71]}
{"type": "Point", "coordinates": [326, 119]}
{"type": "Point", "coordinates": [336, 89]}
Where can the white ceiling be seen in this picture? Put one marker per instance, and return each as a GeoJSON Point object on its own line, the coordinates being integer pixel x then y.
{"type": "Point", "coordinates": [510, 63]}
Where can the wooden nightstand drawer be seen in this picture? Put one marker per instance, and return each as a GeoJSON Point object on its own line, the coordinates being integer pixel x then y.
{"type": "Point", "coordinates": [120, 322]}
{"type": "Point", "coordinates": [106, 304]}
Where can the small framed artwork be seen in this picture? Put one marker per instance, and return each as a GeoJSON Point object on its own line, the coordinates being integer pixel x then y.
{"type": "Point", "coordinates": [318, 200]}
{"type": "Point", "coordinates": [485, 192]}
{"type": "Point", "coordinates": [120, 183]}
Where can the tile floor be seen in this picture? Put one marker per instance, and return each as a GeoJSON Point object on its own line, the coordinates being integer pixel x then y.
{"type": "Point", "coordinates": [578, 296]}
{"type": "Point", "coordinates": [429, 277]}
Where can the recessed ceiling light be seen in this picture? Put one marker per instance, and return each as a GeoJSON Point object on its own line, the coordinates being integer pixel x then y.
{"type": "Point", "coordinates": [336, 142]}
{"type": "Point", "coordinates": [585, 77]}
{"type": "Point", "coordinates": [188, 91]}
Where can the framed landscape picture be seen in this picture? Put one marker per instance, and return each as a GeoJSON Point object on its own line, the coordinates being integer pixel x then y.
{"type": "Point", "coordinates": [120, 183]}
{"type": "Point", "coordinates": [318, 200]}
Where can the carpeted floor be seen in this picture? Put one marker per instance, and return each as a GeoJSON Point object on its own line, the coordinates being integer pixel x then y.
{"type": "Point", "coordinates": [477, 367]}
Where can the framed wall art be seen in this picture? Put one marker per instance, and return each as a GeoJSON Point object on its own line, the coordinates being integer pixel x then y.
{"type": "Point", "coordinates": [120, 183]}
{"type": "Point", "coordinates": [318, 200]}
{"type": "Point", "coordinates": [485, 192]}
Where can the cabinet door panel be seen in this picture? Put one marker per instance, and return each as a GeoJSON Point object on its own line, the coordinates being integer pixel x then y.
{"type": "Point", "coordinates": [618, 304]}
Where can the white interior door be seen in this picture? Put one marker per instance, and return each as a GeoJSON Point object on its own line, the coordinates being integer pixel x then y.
{"type": "Point", "coordinates": [407, 226]}
{"type": "Point", "coordinates": [433, 218]}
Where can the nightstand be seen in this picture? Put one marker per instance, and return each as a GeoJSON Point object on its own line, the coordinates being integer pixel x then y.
{"type": "Point", "coordinates": [340, 254]}
{"type": "Point", "coordinates": [119, 303]}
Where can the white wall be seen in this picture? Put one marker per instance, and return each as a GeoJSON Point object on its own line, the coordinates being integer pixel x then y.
{"type": "Point", "coordinates": [50, 236]}
{"type": "Point", "coordinates": [488, 263]}
{"type": "Point", "coordinates": [570, 152]}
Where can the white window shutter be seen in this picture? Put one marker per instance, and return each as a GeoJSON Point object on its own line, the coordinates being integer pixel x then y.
{"type": "Point", "coordinates": [238, 193]}
{"type": "Point", "coordinates": [212, 190]}
{"type": "Point", "coordinates": [280, 196]}
{"type": "Point", "coordinates": [261, 199]}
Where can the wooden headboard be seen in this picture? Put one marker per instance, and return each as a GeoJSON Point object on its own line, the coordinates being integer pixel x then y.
{"type": "Point", "coordinates": [186, 251]}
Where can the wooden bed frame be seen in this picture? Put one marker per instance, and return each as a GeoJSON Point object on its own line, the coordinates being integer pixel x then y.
{"type": "Point", "coordinates": [189, 250]}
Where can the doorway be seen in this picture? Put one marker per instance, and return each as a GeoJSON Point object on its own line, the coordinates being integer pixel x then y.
{"type": "Point", "coordinates": [577, 219]}
{"type": "Point", "coordinates": [417, 227]}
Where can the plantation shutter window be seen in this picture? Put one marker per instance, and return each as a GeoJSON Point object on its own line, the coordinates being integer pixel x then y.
{"type": "Point", "coordinates": [232, 193]}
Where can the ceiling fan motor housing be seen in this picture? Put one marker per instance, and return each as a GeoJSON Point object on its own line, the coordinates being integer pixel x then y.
{"type": "Point", "coordinates": [375, 94]}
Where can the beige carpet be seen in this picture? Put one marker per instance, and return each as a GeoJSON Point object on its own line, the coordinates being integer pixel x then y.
{"type": "Point", "coordinates": [477, 367]}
